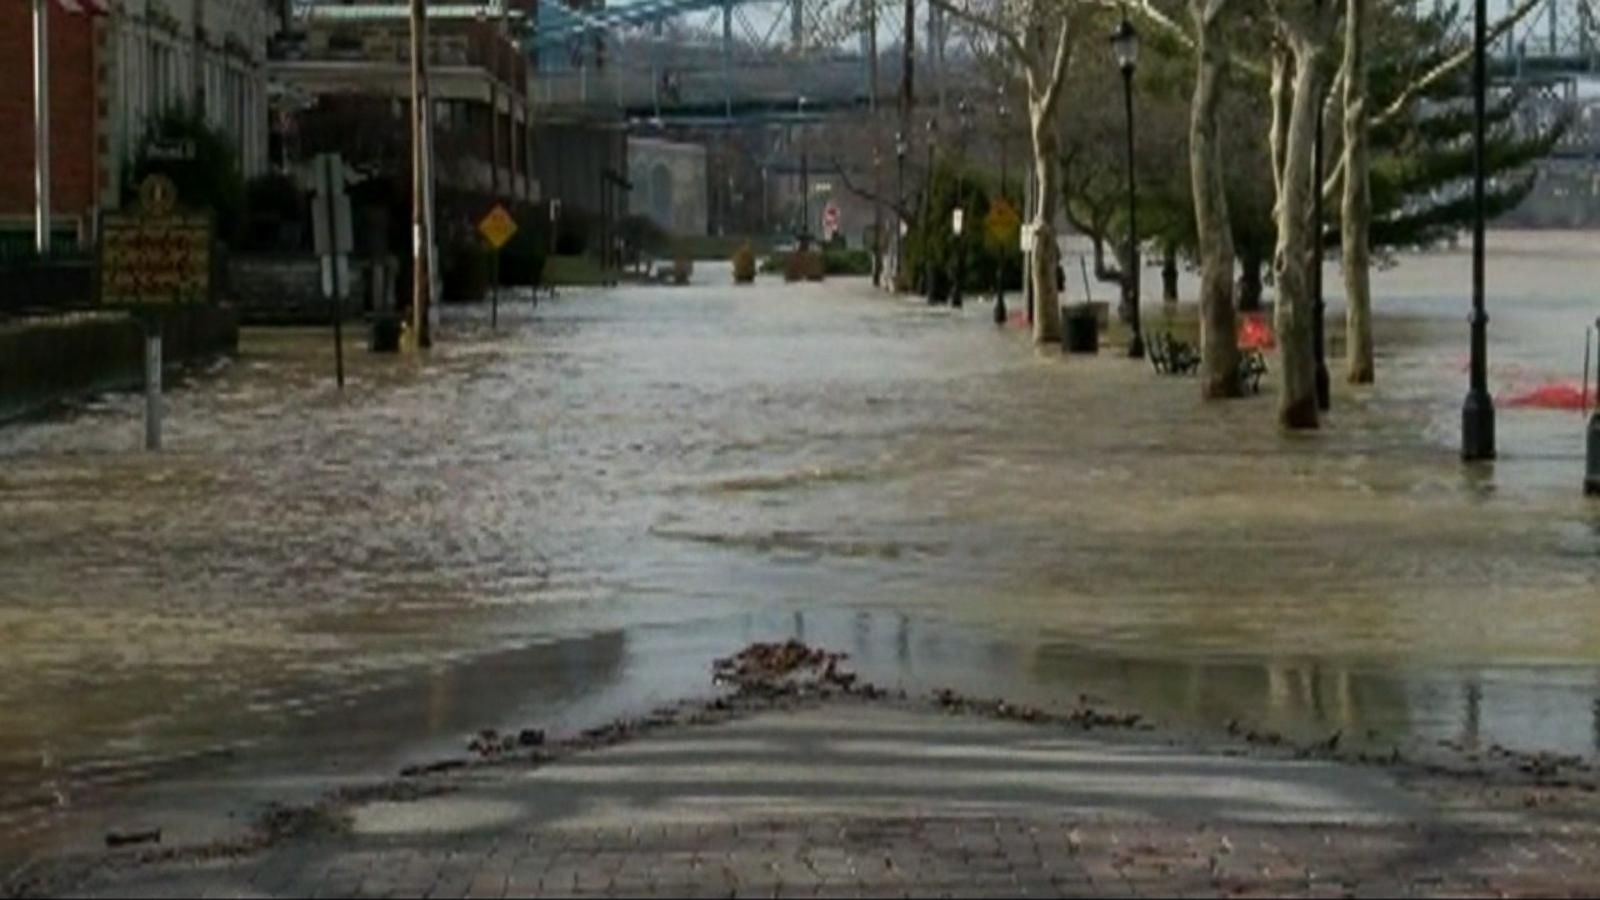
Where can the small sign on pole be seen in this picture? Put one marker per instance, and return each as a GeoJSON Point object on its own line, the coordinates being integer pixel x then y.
{"type": "Point", "coordinates": [830, 221]}
{"type": "Point", "coordinates": [498, 227]}
{"type": "Point", "coordinates": [152, 257]}
{"type": "Point", "coordinates": [957, 219]}
{"type": "Point", "coordinates": [333, 237]}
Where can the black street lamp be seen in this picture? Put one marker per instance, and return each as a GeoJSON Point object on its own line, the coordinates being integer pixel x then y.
{"type": "Point", "coordinates": [899, 203]}
{"type": "Point", "coordinates": [1000, 265]}
{"type": "Point", "coordinates": [877, 214]}
{"type": "Point", "coordinates": [1319, 344]}
{"type": "Point", "coordinates": [1591, 478]}
{"type": "Point", "coordinates": [1477, 413]}
{"type": "Point", "coordinates": [1125, 45]}
{"type": "Point", "coordinates": [964, 112]}
{"type": "Point", "coordinates": [1319, 315]}
{"type": "Point", "coordinates": [927, 214]}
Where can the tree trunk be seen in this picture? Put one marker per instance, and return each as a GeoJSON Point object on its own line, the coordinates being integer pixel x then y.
{"type": "Point", "coordinates": [1219, 347]}
{"type": "Point", "coordinates": [1250, 287]}
{"type": "Point", "coordinates": [1047, 307]}
{"type": "Point", "coordinates": [1101, 271]}
{"type": "Point", "coordinates": [1356, 213]}
{"type": "Point", "coordinates": [1282, 99]}
{"type": "Point", "coordinates": [1169, 274]}
{"type": "Point", "coordinates": [1297, 400]}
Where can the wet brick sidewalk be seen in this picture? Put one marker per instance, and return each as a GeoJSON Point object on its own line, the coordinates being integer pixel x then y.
{"type": "Point", "coordinates": [898, 857]}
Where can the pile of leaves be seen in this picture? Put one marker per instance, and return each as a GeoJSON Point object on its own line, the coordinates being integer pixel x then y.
{"type": "Point", "coordinates": [1085, 716]}
{"type": "Point", "coordinates": [791, 668]}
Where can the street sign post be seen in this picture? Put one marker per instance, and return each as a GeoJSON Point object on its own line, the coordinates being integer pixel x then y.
{"type": "Point", "coordinates": [333, 237]}
{"type": "Point", "coordinates": [497, 228]}
{"type": "Point", "coordinates": [155, 256]}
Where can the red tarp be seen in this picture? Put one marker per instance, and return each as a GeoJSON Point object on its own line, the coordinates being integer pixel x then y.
{"type": "Point", "coordinates": [1555, 395]}
{"type": "Point", "coordinates": [1255, 333]}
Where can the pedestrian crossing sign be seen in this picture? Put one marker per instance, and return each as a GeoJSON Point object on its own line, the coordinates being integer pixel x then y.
{"type": "Point", "coordinates": [497, 227]}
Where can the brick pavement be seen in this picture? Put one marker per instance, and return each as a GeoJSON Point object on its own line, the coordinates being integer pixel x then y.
{"type": "Point", "coordinates": [858, 801]}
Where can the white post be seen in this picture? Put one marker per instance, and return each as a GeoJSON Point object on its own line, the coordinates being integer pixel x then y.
{"type": "Point", "coordinates": [41, 125]}
{"type": "Point", "coordinates": [152, 387]}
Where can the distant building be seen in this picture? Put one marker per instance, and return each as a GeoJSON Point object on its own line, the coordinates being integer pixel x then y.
{"type": "Point", "coordinates": [354, 61]}
{"type": "Point", "coordinates": [110, 76]}
{"type": "Point", "coordinates": [669, 184]}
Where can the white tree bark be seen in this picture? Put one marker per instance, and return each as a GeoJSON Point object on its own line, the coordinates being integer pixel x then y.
{"type": "Point", "coordinates": [1282, 99]}
{"type": "Point", "coordinates": [1046, 71]}
{"type": "Point", "coordinates": [1356, 210]}
{"type": "Point", "coordinates": [1307, 30]}
{"type": "Point", "coordinates": [1038, 35]}
{"type": "Point", "coordinates": [1219, 348]}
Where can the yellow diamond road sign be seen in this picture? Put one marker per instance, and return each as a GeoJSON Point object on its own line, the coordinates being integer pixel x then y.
{"type": "Point", "coordinates": [497, 227]}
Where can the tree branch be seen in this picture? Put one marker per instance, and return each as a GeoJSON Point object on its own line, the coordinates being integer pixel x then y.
{"type": "Point", "coordinates": [991, 25]}
{"type": "Point", "coordinates": [1332, 186]}
{"type": "Point", "coordinates": [863, 193]}
{"type": "Point", "coordinates": [1152, 15]}
{"type": "Point", "coordinates": [1449, 66]}
{"type": "Point", "coordinates": [1058, 65]}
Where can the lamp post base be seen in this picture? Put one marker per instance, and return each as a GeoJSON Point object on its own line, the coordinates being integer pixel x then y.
{"type": "Point", "coordinates": [1136, 346]}
{"type": "Point", "coordinates": [1325, 397]}
{"type": "Point", "coordinates": [1477, 427]}
{"type": "Point", "coordinates": [1000, 309]}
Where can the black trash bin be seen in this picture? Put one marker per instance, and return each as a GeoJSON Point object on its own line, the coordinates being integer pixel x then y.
{"type": "Point", "coordinates": [1080, 329]}
{"type": "Point", "coordinates": [384, 336]}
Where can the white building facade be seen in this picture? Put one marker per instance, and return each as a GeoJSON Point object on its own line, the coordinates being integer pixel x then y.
{"type": "Point", "coordinates": [156, 55]}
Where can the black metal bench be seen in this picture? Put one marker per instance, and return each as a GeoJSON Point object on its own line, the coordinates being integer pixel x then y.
{"type": "Point", "coordinates": [1171, 356]}
{"type": "Point", "coordinates": [1252, 365]}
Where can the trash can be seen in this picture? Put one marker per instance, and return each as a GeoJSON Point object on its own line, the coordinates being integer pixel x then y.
{"type": "Point", "coordinates": [1080, 329]}
{"type": "Point", "coordinates": [384, 334]}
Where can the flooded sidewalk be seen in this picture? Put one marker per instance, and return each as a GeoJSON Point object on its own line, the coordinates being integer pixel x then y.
{"type": "Point", "coordinates": [560, 522]}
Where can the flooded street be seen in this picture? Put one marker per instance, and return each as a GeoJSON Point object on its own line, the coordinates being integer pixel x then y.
{"type": "Point", "coordinates": [566, 520]}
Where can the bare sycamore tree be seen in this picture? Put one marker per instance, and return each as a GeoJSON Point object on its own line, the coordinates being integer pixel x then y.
{"type": "Point", "coordinates": [1356, 163]}
{"type": "Point", "coordinates": [1037, 37]}
{"type": "Point", "coordinates": [1355, 216]}
{"type": "Point", "coordinates": [1219, 347]}
{"type": "Point", "coordinates": [1353, 119]}
{"type": "Point", "coordinates": [1305, 29]}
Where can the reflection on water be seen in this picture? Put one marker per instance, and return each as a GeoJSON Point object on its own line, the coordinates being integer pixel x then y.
{"type": "Point", "coordinates": [570, 518]}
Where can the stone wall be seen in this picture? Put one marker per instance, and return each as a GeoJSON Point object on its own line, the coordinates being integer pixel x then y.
{"type": "Point", "coordinates": [287, 290]}
{"type": "Point", "coordinates": [48, 360]}
{"type": "Point", "coordinates": [669, 184]}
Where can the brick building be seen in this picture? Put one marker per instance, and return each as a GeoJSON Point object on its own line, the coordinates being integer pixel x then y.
{"type": "Point", "coordinates": [110, 75]}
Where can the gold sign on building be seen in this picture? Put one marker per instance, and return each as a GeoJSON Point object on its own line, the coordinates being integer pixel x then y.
{"type": "Point", "coordinates": [156, 255]}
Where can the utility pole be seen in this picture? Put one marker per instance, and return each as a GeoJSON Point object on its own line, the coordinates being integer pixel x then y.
{"type": "Point", "coordinates": [877, 144]}
{"type": "Point", "coordinates": [41, 126]}
{"type": "Point", "coordinates": [421, 285]}
{"type": "Point", "coordinates": [908, 56]}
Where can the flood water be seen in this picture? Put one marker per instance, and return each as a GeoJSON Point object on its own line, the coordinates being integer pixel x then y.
{"type": "Point", "coordinates": [567, 519]}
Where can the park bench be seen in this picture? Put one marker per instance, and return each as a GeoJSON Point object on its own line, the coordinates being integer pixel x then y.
{"type": "Point", "coordinates": [1252, 365]}
{"type": "Point", "coordinates": [1171, 356]}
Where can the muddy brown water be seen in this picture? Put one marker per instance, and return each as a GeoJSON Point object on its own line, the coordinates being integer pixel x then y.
{"type": "Point", "coordinates": [566, 520]}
